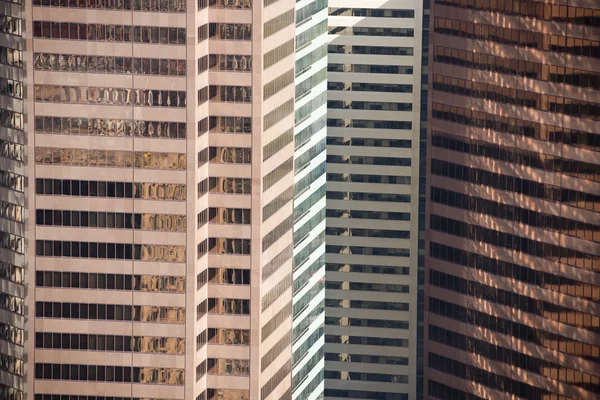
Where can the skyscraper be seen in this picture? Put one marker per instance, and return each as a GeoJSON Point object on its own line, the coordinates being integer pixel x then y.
{"type": "Point", "coordinates": [513, 249]}
{"type": "Point", "coordinates": [150, 147]}
{"type": "Point", "coordinates": [373, 137]}
{"type": "Point", "coordinates": [308, 337]}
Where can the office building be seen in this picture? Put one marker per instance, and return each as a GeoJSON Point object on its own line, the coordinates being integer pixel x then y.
{"type": "Point", "coordinates": [308, 337]}
{"type": "Point", "coordinates": [513, 238]}
{"type": "Point", "coordinates": [372, 234]}
{"type": "Point", "coordinates": [149, 142]}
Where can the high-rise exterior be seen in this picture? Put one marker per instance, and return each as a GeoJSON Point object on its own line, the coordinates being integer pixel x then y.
{"type": "Point", "coordinates": [373, 135]}
{"type": "Point", "coordinates": [151, 143]}
{"type": "Point", "coordinates": [308, 336]}
{"type": "Point", "coordinates": [513, 238]}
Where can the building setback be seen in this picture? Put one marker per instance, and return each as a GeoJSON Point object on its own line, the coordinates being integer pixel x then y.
{"type": "Point", "coordinates": [513, 220]}
{"type": "Point", "coordinates": [151, 260]}
{"type": "Point", "coordinates": [373, 135]}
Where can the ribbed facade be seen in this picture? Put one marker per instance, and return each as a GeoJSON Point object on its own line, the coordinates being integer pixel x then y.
{"type": "Point", "coordinates": [513, 237]}
{"type": "Point", "coordinates": [308, 337]}
{"type": "Point", "coordinates": [159, 244]}
{"type": "Point", "coordinates": [373, 134]}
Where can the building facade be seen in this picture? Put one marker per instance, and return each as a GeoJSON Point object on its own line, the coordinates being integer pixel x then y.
{"type": "Point", "coordinates": [513, 238]}
{"type": "Point", "coordinates": [149, 144]}
{"type": "Point", "coordinates": [373, 136]}
{"type": "Point", "coordinates": [310, 135]}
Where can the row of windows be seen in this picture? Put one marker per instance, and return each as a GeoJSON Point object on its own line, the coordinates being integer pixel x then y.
{"type": "Point", "coordinates": [110, 312]}
{"type": "Point", "coordinates": [516, 155]}
{"type": "Point", "coordinates": [489, 379]}
{"type": "Point", "coordinates": [365, 376]}
{"type": "Point", "coordinates": [222, 215]}
{"type": "Point", "coordinates": [11, 88]}
{"type": "Point", "coordinates": [441, 391]}
{"type": "Point", "coordinates": [230, 4]}
{"type": "Point", "coordinates": [373, 50]}
{"type": "Point", "coordinates": [368, 251]}
{"type": "Point", "coordinates": [276, 24]}
{"type": "Point", "coordinates": [306, 109]}
{"type": "Point", "coordinates": [217, 394]}
{"type": "Point", "coordinates": [277, 114]}
{"type": "Point", "coordinates": [275, 351]}
{"type": "Point", "coordinates": [135, 5]}
{"type": "Point", "coordinates": [108, 373]}
{"type": "Point", "coordinates": [12, 211]}
{"type": "Point", "coordinates": [305, 63]}
{"type": "Point", "coordinates": [361, 196]}
{"type": "Point", "coordinates": [372, 12]}
{"type": "Point", "coordinates": [509, 183]}
{"type": "Point", "coordinates": [278, 143]}
{"type": "Point", "coordinates": [12, 57]}
{"type": "Point", "coordinates": [302, 209]}
{"type": "Point", "coordinates": [545, 280]}
{"type": "Point", "coordinates": [524, 332]}
{"type": "Point", "coordinates": [12, 303]}
{"type": "Point", "coordinates": [369, 105]}
{"type": "Point", "coordinates": [301, 304]}
{"type": "Point", "coordinates": [227, 336]}
{"type": "Point", "coordinates": [516, 126]}
{"type": "Point", "coordinates": [275, 205]}
{"type": "Point", "coordinates": [303, 326]}
{"type": "Point", "coordinates": [276, 321]}
{"type": "Point", "coordinates": [108, 64]}
{"type": "Point", "coordinates": [307, 156]}
{"type": "Point", "coordinates": [11, 119]}
{"type": "Point", "coordinates": [374, 233]}
{"type": "Point", "coordinates": [222, 366]}
{"type": "Point", "coordinates": [514, 358]}
{"type": "Point", "coordinates": [511, 213]}
{"type": "Point", "coordinates": [230, 124]}
{"type": "Point", "coordinates": [368, 160]}
{"type": "Point", "coordinates": [224, 246]}
{"type": "Point", "coordinates": [308, 11]}
{"type": "Point", "coordinates": [11, 25]}
{"type": "Point", "coordinates": [310, 34]}
{"type": "Point", "coordinates": [12, 273]}
{"type": "Point", "coordinates": [92, 280]}
{"type": "Point", "coordinates": [277, 232]}
{"type": "Point", "coordinates": [363, 394]}
{"type": "Point", "coordinates": [367, 323]}
{"type": "Point", "coordinates": [278, 53]}
{"type": "Point", "coordinates": [368, 124]}
{"type": "Point", "coordinates": [527, 304]}
{"type": "Point", "coordinates": [305, 87]}
{"type": "Point", "coordinates": [516, 37]}
{"type": "Point", "coordinates": [12, 334]}
{"type": "Point", "coordinates": [119, 251]}
{"type": "Point", "coordinates": [225, 185]}
{"type": "Point", "coordinates": [128, 190]}
{"type": "Point", "coordinates": [523, 98]}
{"type": "Point", "coordinates": [12, 242]}
{"type": "Point", "coordinates": [369, 87]}
{"type": "Point", "coordinates": [303, 255]}
{"type": "Point", "coordinates": [279, 83]}
{"type": "Point", "coordinates": [278, 173]}
{"type": "Point", "coordinates": [275, 380]}
{"type": "Point", "coordinates": [229, 62]}
{"type": "Point", "coordinates": [109, 96]}
{"type": "Point", "coordinates": [91, 342]}
{"type": "Point", "coordinates": [517, 243]}
{"type": "Point", "coordinates": [362, 31]}
{"type": "Point", "coordinates": [300, 234]}
{"type": "Point", "coordinates": [512, 66]}
{"type": "Point", "coordinates": [279, 260]}
{"type": "Point", "coordinates": [366, 178]}
{"type": "Point", "coordinates": [368, 305]}
{"type": "Point", "coordinates": [369, 287]}
{"type": "Point", "coordinates": [109, 127]}
{"type": "Point", "coordinates": [228, 31]}
{"type": "Point", "coordinates": [235, 155]}
{"type": "Point", "coordinates": [371, 69]}
{"type": "Point", "coordinates": [533, 9]}
{"type": "Point", "coordinates": [228, 276]}
{"type": "Point", "coordinates": [12, 365]}
{"type": "Point", "coordinates": [110, 158]}
{"type": "Point", "coordinates": [366, 340]}
{"type": "Point", "coordinates": [357, 214]}
{"type": "Point", "coordinates": [108, 33]}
